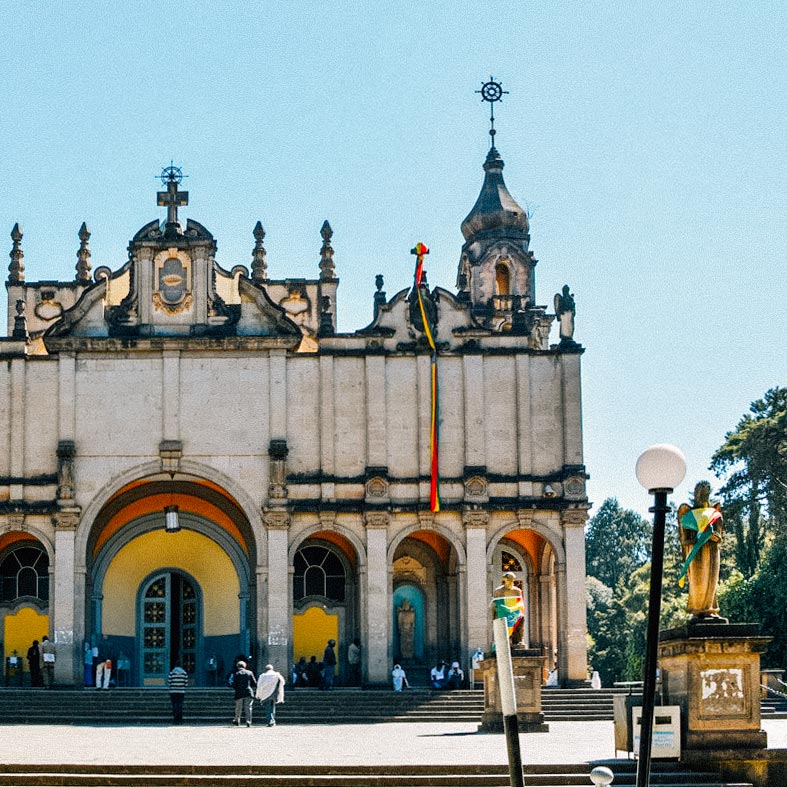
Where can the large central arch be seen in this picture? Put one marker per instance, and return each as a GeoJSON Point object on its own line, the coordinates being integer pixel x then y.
{"type": "Point", "coordinates": [213, 556]}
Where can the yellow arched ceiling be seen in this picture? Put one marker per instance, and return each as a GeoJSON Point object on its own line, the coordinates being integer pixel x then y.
{"type": "Point", "coordinates": [130, 503]}
{"type": "Point", "coordinates": [193, 553]}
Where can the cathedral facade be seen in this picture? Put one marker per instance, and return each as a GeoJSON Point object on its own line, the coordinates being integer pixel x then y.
{"type": "Point", "coordinates": [195, 464]}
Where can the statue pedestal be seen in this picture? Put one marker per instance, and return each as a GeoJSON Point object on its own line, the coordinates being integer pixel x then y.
{"type": "Point", "coordinates": [712, 671]}
{"type": "Point", "coordinates": [528, 669]}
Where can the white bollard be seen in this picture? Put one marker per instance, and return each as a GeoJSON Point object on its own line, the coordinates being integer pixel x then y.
{"type": "Point", "coordinates": [601, 776]}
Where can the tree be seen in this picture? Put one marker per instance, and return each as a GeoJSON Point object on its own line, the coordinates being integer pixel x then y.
{"type": "Point", "coordinates": [753, 461]}
{"type": "Point", "coordinates": [617, 542]}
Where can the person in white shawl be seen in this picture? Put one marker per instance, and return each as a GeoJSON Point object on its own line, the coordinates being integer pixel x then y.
{"type": "Point", "coordinates": [399, 678]}
{"type": "Point", "coordinates": [270, 692]}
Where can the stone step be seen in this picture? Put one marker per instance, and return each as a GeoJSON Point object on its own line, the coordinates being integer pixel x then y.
{"type": "Point", "coordinates": [563, 775]}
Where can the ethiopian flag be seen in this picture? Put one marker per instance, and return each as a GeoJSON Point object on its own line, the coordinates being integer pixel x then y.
{"type": "Point", "coordinates": [434, 428]}
{"type": "Point", "coordinates": [512, 608]}
{"type": "Point", "coordinates": [702, 520]}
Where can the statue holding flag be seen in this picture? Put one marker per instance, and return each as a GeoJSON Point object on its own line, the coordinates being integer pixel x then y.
{"type": "Point", "coordinates": [508, 603]}
{"type": "Point", "coordinates": [701, 527]}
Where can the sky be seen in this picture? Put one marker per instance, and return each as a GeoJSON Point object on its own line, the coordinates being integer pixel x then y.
{"type": "Point", "coordinates": [648, 141]}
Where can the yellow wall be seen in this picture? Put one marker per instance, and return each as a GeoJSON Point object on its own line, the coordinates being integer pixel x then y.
{"type": "Point", "coordinates": [311, 631]}
{"type": "Point", "coordinates": [192, 552]}
{"type": "Point", "coordinates": [21, 629]}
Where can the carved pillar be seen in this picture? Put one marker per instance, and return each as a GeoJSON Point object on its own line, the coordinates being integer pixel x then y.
{"type": "Point", "coordinates": [574, 624]}
{"type": "Point", "coordinates": [62, 608]}
{"type": "Point", "coordinates": [277, 523]}
{"type": "Point", "coordinates": [378, 605]}
{"type": "Point", "coordinates": [66, 450]}
{"type": "Point", "coordinates": [478, 616]}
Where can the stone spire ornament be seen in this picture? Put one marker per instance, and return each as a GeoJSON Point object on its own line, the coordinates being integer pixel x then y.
{"type": "Point", "coordinates": [327, 271]}
{"type": "Point", "coordinates": [259, 267]}
{"type": "Point", "coordinates": [16, 270]}
{"type": "Point", "coordinates": [83, 256]}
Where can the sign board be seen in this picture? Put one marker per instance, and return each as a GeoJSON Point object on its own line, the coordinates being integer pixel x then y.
{"type": "Point", "coordinates": [666, 731]}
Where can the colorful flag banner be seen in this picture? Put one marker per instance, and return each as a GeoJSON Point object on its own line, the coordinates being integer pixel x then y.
{"type": "Point", "coordinates": [434, 494]}
{"type": "Point", "coordinates": [702, 520]}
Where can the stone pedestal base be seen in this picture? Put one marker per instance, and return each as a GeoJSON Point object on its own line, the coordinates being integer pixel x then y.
{"type": "Point", "coordinates": [712, 671]}
{"type": "Point", "coordinates": [528, 668]}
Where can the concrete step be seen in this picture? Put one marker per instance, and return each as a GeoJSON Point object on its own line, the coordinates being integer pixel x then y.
{"type": "Point", "coordinates": [563, 775]}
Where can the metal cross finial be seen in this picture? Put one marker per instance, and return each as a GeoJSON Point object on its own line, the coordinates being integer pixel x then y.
{"type": "Point", "coordinates": [491, 92]}
{"type": "Point", "coordinates": [171, 176]}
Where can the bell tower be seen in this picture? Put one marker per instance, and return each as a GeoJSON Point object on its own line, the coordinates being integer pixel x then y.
{"type": "Point", "coordinates": [496, 270]}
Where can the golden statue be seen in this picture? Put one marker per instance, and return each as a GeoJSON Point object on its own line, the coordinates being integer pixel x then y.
{"type": "Point", "coordinates": [701, 529]}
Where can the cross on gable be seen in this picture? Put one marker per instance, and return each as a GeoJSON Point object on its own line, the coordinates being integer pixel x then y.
{"type": "Point", "coordinates": [172, 198]}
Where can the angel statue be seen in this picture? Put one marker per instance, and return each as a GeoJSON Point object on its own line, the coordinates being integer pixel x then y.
{"type": "Point", "coordinates": [701, 527]}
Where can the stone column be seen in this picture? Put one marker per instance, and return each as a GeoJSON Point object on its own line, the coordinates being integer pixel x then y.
{"type": "Point", "coordinates": [546, 634]}
{"type": "Point", "coordinates": [277, 523]}
{"type": "Point", "coordinates": [68, 664]}
{"type": "Point", "coordinates": [378, 611]}
{"type": "Point", "coordinates": [574, 623]}
{"type": "Point", "coordinates": [478, 615]}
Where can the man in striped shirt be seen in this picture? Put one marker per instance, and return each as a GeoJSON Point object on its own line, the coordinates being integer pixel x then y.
{"type": "Point", "coordinates": [178, 681]}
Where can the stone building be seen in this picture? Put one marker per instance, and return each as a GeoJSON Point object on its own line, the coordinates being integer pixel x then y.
{"type": "Point", "coordinates": [196, 464]}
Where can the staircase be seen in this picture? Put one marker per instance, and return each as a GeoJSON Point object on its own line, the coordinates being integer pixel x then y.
{"type": "Point", "coordinates": [664, 775]}
{"type": "Point", "coordinates": [301, 706]}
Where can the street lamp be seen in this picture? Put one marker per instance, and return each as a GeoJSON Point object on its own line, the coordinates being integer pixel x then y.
{"type": "Point", "coordinates": [659, 469]}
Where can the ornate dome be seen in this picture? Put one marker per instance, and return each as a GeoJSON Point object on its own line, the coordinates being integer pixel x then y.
{"type": "Point", "coordinates": [495, 208]}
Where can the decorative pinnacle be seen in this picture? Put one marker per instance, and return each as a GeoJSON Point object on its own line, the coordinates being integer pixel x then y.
{"type": "Point", "coordinates": [83, 256]}
{"type": "Point", "coordinates": [327, 270]}
{"type": "Point", "coordinates": [16, 270]}
{"type": "Point", "coordinates": [259, 267]}
{"type": "Point", "coordinates": [492, 91]}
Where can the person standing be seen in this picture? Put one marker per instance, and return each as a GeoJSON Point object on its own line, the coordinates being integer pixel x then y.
{"type": "Point", "coordinates": [88, 663]}
{"type": "Point", "coordinates": [48, 661]}
{"type": "Point", "coordinates": [34, 664]}
{"type": "Point", "coordinates": [270, 692]}
{"type": "Point", "coordinates": [243, 683]}
{"type": "Point", "coordinates": [178, 682]}
{"type": "Point", "coordinates": [354, 662]}
{"type": "Point", "coordinates": [328, 664]}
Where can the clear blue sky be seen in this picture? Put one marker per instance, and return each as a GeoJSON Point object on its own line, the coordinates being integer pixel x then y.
{"type": "Point", "coordinates": [648, 140]}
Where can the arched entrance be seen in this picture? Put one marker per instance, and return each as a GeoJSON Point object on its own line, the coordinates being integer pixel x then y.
{"type": "Point", "coordinates": [531, 558]}
{"type": "Point", "coordinates": [159, 594]}
{"type": "Point", "coordinates": [324, 598]}
{"type": "Point", "coordinates": [426, 597]}
{"type": "Point", "coordinates": [169, 626]}
{"type": "Point", "coordinates": [24, 598]}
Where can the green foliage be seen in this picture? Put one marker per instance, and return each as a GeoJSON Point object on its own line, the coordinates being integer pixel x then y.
{"type": "Point", "coordinates": [617, 541]}
{"type": "Point", "coordinates": [753, 463]}
{"type": "Point", "coordinates": [762, 599]}
{"type": "Point", "coordinates": [617, 617]}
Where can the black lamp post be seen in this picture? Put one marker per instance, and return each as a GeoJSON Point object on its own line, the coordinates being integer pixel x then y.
{"type": "Point", "coordinates": [659, 469]}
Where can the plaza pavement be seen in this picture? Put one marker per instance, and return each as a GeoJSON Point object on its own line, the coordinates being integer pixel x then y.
{"type": "Point", "coordinates": [430, 743]}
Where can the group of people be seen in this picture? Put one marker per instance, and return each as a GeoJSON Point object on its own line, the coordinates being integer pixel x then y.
{"type": "Point", "coordinates": [440, 676]}
{"type": "Point", "coordinates": [320, 674]}
{"type": "Point", "coordinates": [268, 688]}
{"type": "Point", "coordinates": [41, 663]}
{"type": "Point", "coordinates": [103, 666]}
